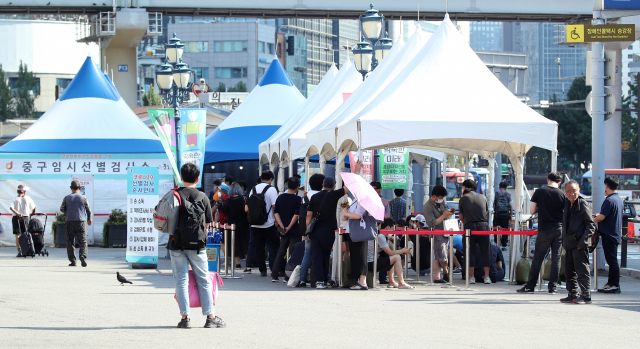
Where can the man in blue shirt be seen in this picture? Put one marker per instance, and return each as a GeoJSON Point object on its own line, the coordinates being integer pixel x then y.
{"type": "Point", "coordinates": [610, 226]}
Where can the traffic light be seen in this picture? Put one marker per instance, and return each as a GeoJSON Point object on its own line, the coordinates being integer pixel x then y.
{"type": "Point", "coordinates": [290, 45]}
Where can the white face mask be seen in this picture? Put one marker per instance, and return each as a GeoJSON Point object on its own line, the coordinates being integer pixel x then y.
{"type": "Point", "coordinates": [503, 190]}
{"type": "Point", "coordinates": [440, 200]}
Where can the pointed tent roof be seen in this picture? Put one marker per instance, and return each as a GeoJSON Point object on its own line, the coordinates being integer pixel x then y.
{"type": "Point", "coordinates": [89, 117]}
{"type": "Point", "coordinates": [271, 147]}
{"type": "Point", "coordinates": [266, 108]}
{"type": "Point", "coordinates": [447, 98]}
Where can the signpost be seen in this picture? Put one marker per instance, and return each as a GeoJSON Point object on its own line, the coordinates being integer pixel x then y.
{"type": "Point", "coordinates": [142, 197]}
{"type": "Point", "coordinates": [394, 168]}
{"type": "Point", "coordinates": [600, 33]}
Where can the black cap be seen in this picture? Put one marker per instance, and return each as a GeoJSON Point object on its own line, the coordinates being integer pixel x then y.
{"type": "Point", "coordinates": [75, 184]}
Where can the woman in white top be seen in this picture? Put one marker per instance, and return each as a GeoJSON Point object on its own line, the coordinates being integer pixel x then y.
{"type": "Point", "coordinates": [357, 250]}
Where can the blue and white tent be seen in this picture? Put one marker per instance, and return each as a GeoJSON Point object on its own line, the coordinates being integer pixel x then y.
{"type": "Point", "coordinates": [266, 108]}
{"type": "Point", "coordinates": [90, 134]}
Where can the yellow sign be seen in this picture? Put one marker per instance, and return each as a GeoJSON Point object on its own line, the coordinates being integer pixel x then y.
{"type": "Point", "coordinates": [601, 33]}
{"type": "Point", "coordinates": [625, 145]}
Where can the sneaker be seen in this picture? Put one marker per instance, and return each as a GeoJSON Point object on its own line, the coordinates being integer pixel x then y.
{"type": "Point", "coordinates": [274, 280]}
{"type": "Point", "coordinates": [247, 271]}
{"type": "Point", "coordinates": [457, 270]}
{"type": "Point", "coordinates": [553, 291]}
{"type": "Point", "coordinates": [320, 285]}
{"type": "Point", "coordinates": [72, 264]}
{"type": "Point", "coordinates": [445, 277]}
{"type": "Point", "coordinates": [263, 273]}
{"type": "Point", "coordinates": [215, 322]}
{"type": "Point", "coordinates": [609, 289]}
{"type": "Point", "coordinates": [487, 280]}
{"type": "Point", "coordinates": [582, 300]}
{"type": "Point", "coordinates": [568, 299]}
{"type": "Point", "coordinates": [439, 281]}
{"type": "Point", "coordinates": [330, 284]}
{"type": "Point", "coordinates": [83, 262]}
{"type": "Point", "coordinates": [301, 284]}
{"type": "Point", "coordinates": [524, 289]}
{"type": "Point", "coordinates": [184, 323]}
{"type": "Point", "coordinates": [286, 279]}
{"type": "Point", "coordinates": [19, 253]}
{"type": "Point", "coordinates": [238, 266]}
{"type": "Point", "coordinates": [504, 248]}
{"type": "Point", "coordinates": [472, 280]}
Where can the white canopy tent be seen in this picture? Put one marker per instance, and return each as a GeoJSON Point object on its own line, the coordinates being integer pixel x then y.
{"type": "Point", "coordinates": [446, 98]}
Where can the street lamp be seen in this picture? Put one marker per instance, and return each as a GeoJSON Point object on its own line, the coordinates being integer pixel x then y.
{"type": "Point", "coordinates": [371, 24]}
{"type": "Point", "coordinates": [385, 45]}
{"type": "Point", "coordinates": [174, 82]}
{"type": "Point", "coordinates": [362, 57]}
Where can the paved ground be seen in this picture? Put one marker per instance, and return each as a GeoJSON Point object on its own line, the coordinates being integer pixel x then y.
{"type": "Point", "coordinates": [44, 303]}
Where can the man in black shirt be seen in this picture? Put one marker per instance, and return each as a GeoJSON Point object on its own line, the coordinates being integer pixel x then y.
{"type": "Point", "coordinates": [548, 202]}
{"type": "Point", "coordinates": [323, 205]}
{"type": "Point", "coordinates": [473, 213]}
{"type": "Point", "coordinates": [286, 215]}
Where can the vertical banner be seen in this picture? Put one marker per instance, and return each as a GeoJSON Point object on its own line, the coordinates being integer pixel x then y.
{"type": "Point", "coordinates": [193, 124]}
{"type": "Point", "coordinates": [142, 197]}
{"type": "Point", "coordinates": [86, 189]}
{"type": "Point", "coordinates": [165, 124]}
{"type": "Point", "coordinates": [367, 164]}
{"type": "Point", "coordinates": [394, 168]}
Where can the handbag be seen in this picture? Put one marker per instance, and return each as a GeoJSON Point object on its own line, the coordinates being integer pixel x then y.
{"type": "Point", "coordinates": [194, 294]}
{"type": "Point", "coordinates": [312, 223]}
{"type": "Point", "coordinates": [363, 229]}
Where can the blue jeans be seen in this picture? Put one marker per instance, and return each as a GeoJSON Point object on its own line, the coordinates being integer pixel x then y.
{"type": "Point", "coordinates": [251, 250]}
{"type": "Point", "coordinates": [180, 261]}
{"type": "Point", "coordinates": [306, 260]}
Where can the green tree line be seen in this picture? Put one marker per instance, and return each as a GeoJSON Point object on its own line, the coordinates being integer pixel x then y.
{"type": "Point", "coordinates": [18, 102]}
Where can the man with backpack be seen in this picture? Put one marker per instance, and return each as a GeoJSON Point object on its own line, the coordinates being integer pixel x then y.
{"type": "Point", "coordinates": [260, 206]}
{"type": "Point", "coordinates": [187, 247]}
{"type": "Point", "coordinates": [502, 209]}
{"type": "Point", "coordinates": [549, 203]}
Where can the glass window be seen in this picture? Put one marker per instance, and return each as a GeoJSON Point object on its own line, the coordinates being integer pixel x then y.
{"type": "Point", "coordinates": [271, 49]}
{"type": "Point", "coordinates": [13, 81]}
{"type": "Point", "coordinates": [260, 72]}
{"type": "Point", "coordinates": [201, 73]}
{"type": "Point", "coordinates": [196, 46]}
{"type": "Point", "coordinates": [260, 46]}
{"type": "Point", "coordinates": [630, 56]}
{"type": "Point", "coordinates": [63, 83]}
{"type": "Point", "coordinates": [230, 46]}
{"type": "Point", "coordinates": [230, 73]}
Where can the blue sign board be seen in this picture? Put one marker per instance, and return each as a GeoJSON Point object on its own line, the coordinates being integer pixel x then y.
{"type": "Point", "coordinates": [123, 67]}
{"type": "Point", "coordinates": [622, 4]}
{"type": "Point", "coordinates": [142, 197]}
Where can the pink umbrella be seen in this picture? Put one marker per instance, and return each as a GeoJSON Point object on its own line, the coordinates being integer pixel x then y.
{"type": "Point", "coordinates": [365, 194]}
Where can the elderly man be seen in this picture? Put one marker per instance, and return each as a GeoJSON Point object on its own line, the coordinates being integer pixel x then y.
{"type": "Point", "coordinates": [22, 207]}
{"type": "Point", "coordinates": [577, 229]}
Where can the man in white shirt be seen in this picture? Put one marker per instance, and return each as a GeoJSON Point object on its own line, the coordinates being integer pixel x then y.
{"type": "Point", "coordinates": [21, 208]}
{"type": "Point", "coordinates": [265, 233]}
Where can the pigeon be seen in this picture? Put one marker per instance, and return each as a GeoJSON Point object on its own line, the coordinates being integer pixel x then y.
{"type": "Point", "coordinates": [122, 280]}
{"type": "Point", "coordinates": [49, 3]}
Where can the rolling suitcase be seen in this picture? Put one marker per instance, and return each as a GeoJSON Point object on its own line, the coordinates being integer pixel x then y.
{"type": "Point", "coordinates": [36, 228]}
{"type": "Point", "coordinates": [26, 245]}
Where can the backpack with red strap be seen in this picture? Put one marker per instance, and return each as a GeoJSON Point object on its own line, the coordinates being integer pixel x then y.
{"type": "Point", "coordinates": [165, 215]}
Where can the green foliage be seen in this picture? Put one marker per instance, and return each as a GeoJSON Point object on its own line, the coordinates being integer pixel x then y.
{"type": "Point", "coordinates": [59, 220]}
{"type": "Point", "coordinates": [5, 97]}
{"type": "Point", "coordinates": [630, 125]}
{"type": "Point", "coordinates": [115, 217]}
{"type": "Point", "coordinates": [239, 87]}
{"type": "Point", "coordinates": [27, 88]}
{"type": "Point", "coordinates": [151, 97]}
{"type": "Point", "coordinates": [574, 128]}
{"type": "Point", "coordinates": [220, 88]}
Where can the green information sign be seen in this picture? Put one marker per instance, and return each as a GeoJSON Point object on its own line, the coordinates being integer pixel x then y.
{"type": "Point", "coordinates": [394, 168]}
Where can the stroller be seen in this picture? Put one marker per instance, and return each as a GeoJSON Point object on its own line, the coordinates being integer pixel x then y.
{"type": "Point", "coordinates": [36, 229]}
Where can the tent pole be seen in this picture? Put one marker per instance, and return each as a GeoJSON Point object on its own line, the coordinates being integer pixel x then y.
{"type": "Point", "coordinates": [466, 166]}
{"type": "Point", "coordinates": [491, 185]}
{"type": "Point", "coordinates": [290, 161]}
{"type": "Point", "coordinates": [306, 173]}
{"type": "Point", "coordinates": [554, 161]}
{"type": "Point", "coordinates": [444, 170]}
{"type": "Point", "coordinates": [426, 179]}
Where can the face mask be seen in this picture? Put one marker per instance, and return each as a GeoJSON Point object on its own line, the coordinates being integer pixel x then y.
{"type": "Point", "coordinates": [440, 200]}
{"type": "Point", "coordinates": [503, 190]}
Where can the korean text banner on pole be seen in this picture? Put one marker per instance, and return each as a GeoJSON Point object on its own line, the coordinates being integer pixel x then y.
{"type": "Point", "coordinates": [165, 124]}
{"type": "Point", "coordinates": [86, 189]}
{"type": "Point", "coordinates": [394, 168]}
{"type": "Point", "coordinates": [367, 164]}
{"type": "Point", "coordinates": [142, 197]}
{"type": "Point", "coordinates": [193, 125]}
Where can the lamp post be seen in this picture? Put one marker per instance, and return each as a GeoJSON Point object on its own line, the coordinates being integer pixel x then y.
{"type": "Point", "coordinates": [174, 82]}
{"type": "Point", "coordinates": [371, 24]}
{"type": "Point", "coordinates": [362, 57]}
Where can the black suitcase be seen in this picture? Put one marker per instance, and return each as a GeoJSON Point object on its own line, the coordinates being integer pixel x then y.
{"type": "Point", "coordinates": [26, 245]}
{"type": "Point", "coordinates": [36, 228]}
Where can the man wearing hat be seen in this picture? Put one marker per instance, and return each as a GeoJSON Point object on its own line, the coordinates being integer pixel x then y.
{"type": "Point", "coordinates": [21, 208]}
{"type": "Point", "coordinates": [77, 211]}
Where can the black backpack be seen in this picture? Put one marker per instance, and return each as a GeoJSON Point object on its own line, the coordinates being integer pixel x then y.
{"type": "Point", "coordinates": [502, 206]}
{"type": "Point", "coordinates": [35, 227]}
{"type": "Point", "coordinates": [258, 214]}
{"type": "Point", "coordinates": [191, 232]}
{"type": "Point", "coordinates": [302, 215]}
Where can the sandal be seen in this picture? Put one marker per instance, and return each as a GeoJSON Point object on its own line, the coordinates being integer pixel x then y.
{"type": "Point", "coordinates": [406, 287]}
{"type": "Point", "coordinates": [359, 287]}
{"type": "Point", "coordinates": [392, 286]}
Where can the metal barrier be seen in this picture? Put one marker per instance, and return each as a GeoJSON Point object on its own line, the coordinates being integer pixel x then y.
{"type": "Point", "coordinates": [227, 227]}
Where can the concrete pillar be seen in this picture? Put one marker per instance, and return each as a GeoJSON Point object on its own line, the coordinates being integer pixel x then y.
{"type": "Point", "coordinates": [120, 51]}
{"type": "Point", "coordinates": [613, 126]}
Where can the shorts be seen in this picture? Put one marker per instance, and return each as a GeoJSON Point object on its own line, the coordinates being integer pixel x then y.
{"type": "Point", "coordinates": [440, 248]}
{"type": "Point", "coordinates": [19, 224]}
{"type": "Point", "coordinates": [384, 263]}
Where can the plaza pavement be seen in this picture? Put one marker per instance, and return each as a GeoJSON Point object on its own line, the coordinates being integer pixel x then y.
{"type": "Point", "coordinates": [46, 304]}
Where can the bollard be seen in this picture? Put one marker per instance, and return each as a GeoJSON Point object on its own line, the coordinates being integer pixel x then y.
{"type": "Point", "coordinates": [432, 259]}
{"type": "Point", "coordinates": [406, 257]}
{"type": "Point", "coordinates": [450, 285]}
{"type": "Point", "coordinates": [594, 282]}
{"type": "Point", "coordinates": [375, 263]}
{"type": "Point", "coordinates": [540, 281]}
{"type": "Point", "coordinates": [233, 245]}
{"type": "Point", "coordinates": [467, 236]}
{"type": "Point", "coordinates": [417, 253]}
{"type": "Point", "coordinates": [512, 260]}
{"type": "Point", "coordinates": [226, 246]}
{"type": "Point", "coordinates": [339, 258]}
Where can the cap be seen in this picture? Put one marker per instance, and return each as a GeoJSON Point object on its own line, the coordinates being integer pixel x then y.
{"type": "Point", "coordinates": [23, 187]}
{"type": "Point", "coordinates": [75, 184]}
{"type": "Point", "coordinates": [224, 188]}
{"type": "Point", "coordinates": [420, 218]}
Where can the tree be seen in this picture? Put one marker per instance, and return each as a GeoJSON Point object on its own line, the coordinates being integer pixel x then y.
{"type": "Point", "coordinates": [239, 87]}
{"type": "Point", "coordinates": [574, 128]}
{"type": "Point", "coordinates": [27, 87]}
{"type": "Point", "coordinates": [221, 88]}
{"type": "Point", "coordinates": [151, 97]}
{"type": "Point", "coordinates": [630, 125]}
{"type": "Point", "coordinates": [5, 97]}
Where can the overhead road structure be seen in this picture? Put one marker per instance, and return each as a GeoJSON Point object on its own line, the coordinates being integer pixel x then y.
{"type": "Point", "coordinates": [495, 10]}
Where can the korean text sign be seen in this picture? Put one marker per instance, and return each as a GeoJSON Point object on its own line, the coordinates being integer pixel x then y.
{"type": "Point", "coordinates": [193, 126]}
{"type": "Point", "coordinates": [394, 168]}
{"type": "Point", "coordinates": [142, 197]}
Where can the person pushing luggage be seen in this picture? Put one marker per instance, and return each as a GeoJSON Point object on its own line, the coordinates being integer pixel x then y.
{"type": "Point", "coordinates": [21, 208]}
